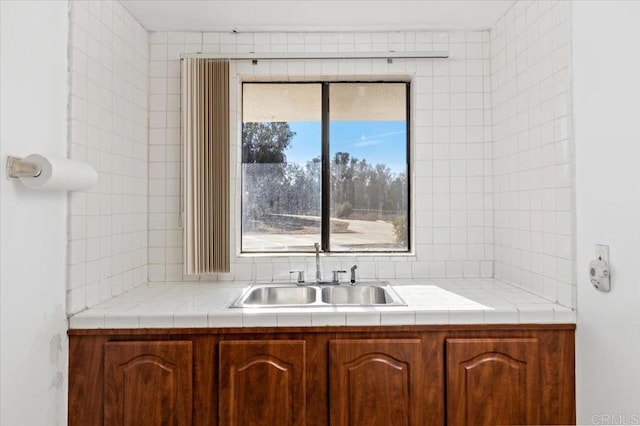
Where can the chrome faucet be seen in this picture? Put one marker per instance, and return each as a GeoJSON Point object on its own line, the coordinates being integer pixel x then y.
{"type": "Point", "coordinates": [318, 274]}
{"type": "Point", "coordinates": [335, 280]}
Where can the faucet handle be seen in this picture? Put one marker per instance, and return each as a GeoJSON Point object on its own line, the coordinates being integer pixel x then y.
{"type": "Point", "coordinates": [336, 276]}
{"type": "Point", "coordinates": [300, 275]}
{"type": "Point", "coordinates": [353, 274]}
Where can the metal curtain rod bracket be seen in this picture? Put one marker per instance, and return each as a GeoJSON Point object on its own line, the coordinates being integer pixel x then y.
{"type": "Point", "coordinates": [251, 56]}
{"type": "Point", "coordinates": [17, 168]}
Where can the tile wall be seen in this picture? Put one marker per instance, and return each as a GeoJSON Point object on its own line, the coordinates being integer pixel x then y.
{"type": "Point", "coordinates": [533, 160]}
{"type": "Point", "coordinates": [107, 242]}
{"type": "Point", "coordinates": [451, 139]}
{"type": "Point", "coordinates": [491, 144]}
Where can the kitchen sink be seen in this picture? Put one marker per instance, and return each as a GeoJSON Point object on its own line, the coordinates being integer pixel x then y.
{"type": "Point", "coordinates": [280, 296]}
{"type": "Point", "coordinates": [291, 295]}
{"type": "Point", "coordinates": [358, 295]}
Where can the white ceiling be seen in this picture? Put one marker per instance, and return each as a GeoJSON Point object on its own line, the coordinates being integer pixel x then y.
{"type": "Point", "coordinates": [315, 15]}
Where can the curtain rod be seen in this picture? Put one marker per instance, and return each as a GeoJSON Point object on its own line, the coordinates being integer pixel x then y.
{"type": "Point", "coordinates": [318, 55]}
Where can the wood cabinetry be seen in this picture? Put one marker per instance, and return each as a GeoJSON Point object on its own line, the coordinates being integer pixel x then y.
{"type": "Point", "coordinates": [262, 382]}
{"type": "Point", "coordinates": [318, 376]}
{"type": "Point", "coordinates": [493, 381]}
{"type": "Point", "coordinates": [147, 383]}
{"type": "Point", "coordinates": [376, 382]}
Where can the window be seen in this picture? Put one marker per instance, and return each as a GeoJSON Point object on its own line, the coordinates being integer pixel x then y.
{"type": "Point", "coordinates": [325, 162]}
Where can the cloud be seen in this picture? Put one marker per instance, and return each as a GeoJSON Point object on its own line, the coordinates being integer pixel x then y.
{"type": "Point", "coordinates": [367, 142]}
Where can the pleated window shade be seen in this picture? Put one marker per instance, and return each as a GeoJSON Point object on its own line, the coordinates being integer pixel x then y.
{"type": "Point", "coordinates": [205, 133]}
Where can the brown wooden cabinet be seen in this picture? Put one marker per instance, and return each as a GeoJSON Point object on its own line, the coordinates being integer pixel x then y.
{"type": "Point", "coordinates": [493, 381]}
{"type": "Point", "coordinates": [376, 382]}
{"type": "Point", "coordinates": [262, 382]}
{"type": "Point", "coordinates": [317, 376]}
{"type": "Point", "coordinates": [147, 383]}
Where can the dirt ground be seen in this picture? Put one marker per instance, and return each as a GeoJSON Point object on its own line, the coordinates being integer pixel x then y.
{"type": "Point", "coordinates": [347, 234]}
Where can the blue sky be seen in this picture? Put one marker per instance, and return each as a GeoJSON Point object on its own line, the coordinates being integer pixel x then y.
{"type": "Point", "coordinates": [379, 142]}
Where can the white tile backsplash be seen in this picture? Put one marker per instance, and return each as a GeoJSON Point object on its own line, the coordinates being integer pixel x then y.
{"type": "Point", "coordinates": [533, 177]}
{"type": "Point", "coordinates": [450, 111]}
{"type": "Point", "coordinates": [108, 129]}
{"type": "Point", "coordinates": [492, 154]}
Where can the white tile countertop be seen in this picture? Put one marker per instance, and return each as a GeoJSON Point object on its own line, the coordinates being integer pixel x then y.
{"type": "Point", "coordinates": [429, 301]}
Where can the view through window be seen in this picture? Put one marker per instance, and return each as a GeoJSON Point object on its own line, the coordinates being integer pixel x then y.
{"type": "Point", "coordinates": [337, 148]}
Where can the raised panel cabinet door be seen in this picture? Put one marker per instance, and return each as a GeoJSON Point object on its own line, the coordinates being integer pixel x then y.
{"type": "Point", "coordinates": [262, 383]}
{"type": "Point", "coordinates": [375, 382]}
{"type": "Point", "coordinates": [493, 381]}
{"type": "Point", "coordinates": [148, 383]}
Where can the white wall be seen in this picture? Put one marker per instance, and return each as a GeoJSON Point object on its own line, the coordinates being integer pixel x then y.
{"type": "Point", "coordinates": [33, 353]}
{"type": "Point", "coordinates": [108, 129]}
{"type": "Point", "coordinates": [451, 145]}
{"type": "Point", "coordinates": [533, 149]}
{"type": "Point", "coordinates": [606, 60]}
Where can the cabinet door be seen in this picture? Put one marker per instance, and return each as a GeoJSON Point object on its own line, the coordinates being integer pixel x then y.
{"type": "Point", "coordinates": [147, 383]}
{"type": "Point", "coordinates": [262, 383]}
{"type": "Point", "coordinates": [376, 382]}
{"type": "Point", "coordinates": [492, 381]}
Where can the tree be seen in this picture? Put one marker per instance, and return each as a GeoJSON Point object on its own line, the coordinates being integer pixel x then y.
{"type": "Point", "coordinates": [342, 178]}
{"type": "Point", "coordinates": [273, 189]}
{"type": "Point", "coordinates": [264, 171]}
{"type": "Point", "coordinates": [303, 189]}
{"type": "Point", "coordinates": [265, 142]}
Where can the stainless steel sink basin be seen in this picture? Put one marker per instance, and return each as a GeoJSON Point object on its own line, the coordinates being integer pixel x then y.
{"type": "Point", "coordinates": [290, 295]}
{"type": "Point", "coordinates": [280, 296]}
{"type": "Point", "coordinates": [357, 295]}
